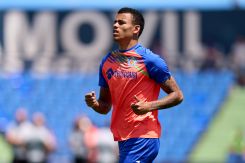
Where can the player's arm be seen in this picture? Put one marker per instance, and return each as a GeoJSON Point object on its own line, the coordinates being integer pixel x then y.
{"type": "Point", "coordinates": [174, 97]}
{"type": "Point", "coordinates": [101, 105]}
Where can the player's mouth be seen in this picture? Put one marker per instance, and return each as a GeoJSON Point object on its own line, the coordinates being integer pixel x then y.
{"type": "Point", "coordinates": [115, 32]}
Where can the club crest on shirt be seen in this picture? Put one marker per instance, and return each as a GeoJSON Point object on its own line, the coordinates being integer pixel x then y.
{"type": "Point", "coordinates": [132, 62]}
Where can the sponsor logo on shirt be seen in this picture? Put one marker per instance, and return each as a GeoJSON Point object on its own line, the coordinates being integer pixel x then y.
{"type": "Point", "coordinates": [109, 73]}
{"type": "Point", "coordinates": [121, 74]}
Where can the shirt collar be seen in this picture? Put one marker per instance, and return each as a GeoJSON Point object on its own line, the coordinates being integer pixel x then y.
{"type": "Point", "coordinates": [134, 47]}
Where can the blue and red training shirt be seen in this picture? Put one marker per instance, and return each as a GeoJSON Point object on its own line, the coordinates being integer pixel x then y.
{"type": "Point", "coordinates": [136, 71]}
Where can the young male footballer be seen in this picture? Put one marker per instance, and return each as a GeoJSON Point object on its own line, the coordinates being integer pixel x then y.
{"type": "Point", "coordinates": [130, 79]}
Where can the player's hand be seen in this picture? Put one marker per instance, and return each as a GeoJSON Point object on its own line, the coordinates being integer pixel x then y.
{"type": "Point", "coordinates": [90, 99]}
{"type": "Point", "coordinates": [140, 107]}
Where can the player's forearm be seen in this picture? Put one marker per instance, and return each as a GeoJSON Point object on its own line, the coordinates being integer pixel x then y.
{"type": "Point", "coordinates": [101, 107]}
{"type": "Point", "coordinates": [168, 101]}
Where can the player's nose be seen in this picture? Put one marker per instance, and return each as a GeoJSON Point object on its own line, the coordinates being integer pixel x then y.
{"type": "Point", "coordinates": [115, 25]}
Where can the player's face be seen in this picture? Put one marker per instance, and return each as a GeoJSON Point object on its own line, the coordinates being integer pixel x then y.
{"type": "Point", "coordinates": [123, 28]}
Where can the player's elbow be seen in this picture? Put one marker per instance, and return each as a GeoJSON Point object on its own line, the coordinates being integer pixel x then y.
{"type": "Point", "coordinates": [179, 97]}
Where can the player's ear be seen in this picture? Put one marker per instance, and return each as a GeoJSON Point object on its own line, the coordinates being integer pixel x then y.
{"type": "Point", "coordinates": [136, 29]}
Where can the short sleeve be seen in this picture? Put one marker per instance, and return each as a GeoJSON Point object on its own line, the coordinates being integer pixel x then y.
{"type": "Point", "coordinates": [102, 81]}
{"type": "Point", "coordinates": [157, 68]}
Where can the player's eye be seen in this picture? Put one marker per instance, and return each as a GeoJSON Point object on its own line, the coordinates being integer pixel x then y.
{"type": "Point", "coordinates": [120, 22]}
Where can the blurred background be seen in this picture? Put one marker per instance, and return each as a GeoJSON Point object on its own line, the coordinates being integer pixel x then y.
{"type": "Point", "coordinates": [49, 57]}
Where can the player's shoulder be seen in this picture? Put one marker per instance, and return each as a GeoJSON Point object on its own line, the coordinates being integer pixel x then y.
{"type": "Point", "coordinates": [147, 54]}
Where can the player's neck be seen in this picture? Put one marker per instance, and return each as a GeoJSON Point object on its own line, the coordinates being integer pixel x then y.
{"type": "Point", "coordinates": [127, 45]}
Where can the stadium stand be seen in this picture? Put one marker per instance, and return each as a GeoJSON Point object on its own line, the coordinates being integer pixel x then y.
{"type": "Point", "coordinates": [61, 99]}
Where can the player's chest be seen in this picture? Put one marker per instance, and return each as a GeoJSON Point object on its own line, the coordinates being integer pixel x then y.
{"type": "Point", "coordinates": [124, 69]}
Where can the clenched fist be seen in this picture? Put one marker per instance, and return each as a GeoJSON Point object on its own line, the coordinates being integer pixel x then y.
{"type": "Point", "coordinates": [91, 100]}
{"type": "Point", "coordinates": [140, 107]}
